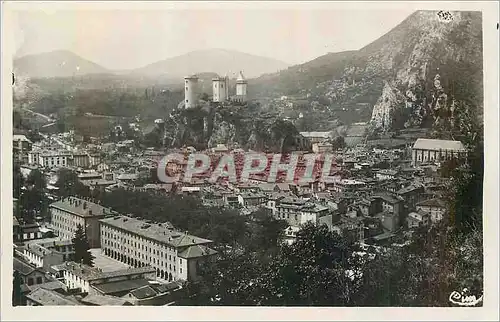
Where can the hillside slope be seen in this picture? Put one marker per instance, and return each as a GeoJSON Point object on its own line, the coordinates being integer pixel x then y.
{"type": "Point", "coordinates": [59, 63]}
{"type": "Point", "coordinates": [411, 76]}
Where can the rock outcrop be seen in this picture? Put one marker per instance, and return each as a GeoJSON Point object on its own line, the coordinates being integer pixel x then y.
{"type": "Point", "coordinates": [233, 126]}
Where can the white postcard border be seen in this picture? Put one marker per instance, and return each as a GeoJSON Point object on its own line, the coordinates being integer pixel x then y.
{"type": "Point", "coordinates": [491, 192]}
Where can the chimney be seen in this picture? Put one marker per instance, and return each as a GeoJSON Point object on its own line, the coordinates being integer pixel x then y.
{"type": "Point", "coordinates": [85, 205]}
{"type": "Point", "coordinates": [90, 212]}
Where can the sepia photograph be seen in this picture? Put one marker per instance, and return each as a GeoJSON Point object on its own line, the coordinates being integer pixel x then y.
{"type": "Point", "coordinates": [248, 156]}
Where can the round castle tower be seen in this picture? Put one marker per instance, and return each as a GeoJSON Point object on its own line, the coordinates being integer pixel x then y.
{"type": "Point", "coordinates": [191, 91]}
{"type": "Point", "coordinates": [241, 87]}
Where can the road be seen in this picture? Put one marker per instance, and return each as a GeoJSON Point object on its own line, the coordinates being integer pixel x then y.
{"type": "Point", "coordinates": [38, 114]}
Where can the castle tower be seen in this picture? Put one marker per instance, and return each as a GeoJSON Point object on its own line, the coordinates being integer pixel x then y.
{"type": "Point", "coordinates": [227, 86]}
{"type": "Point", "coordinates": [191, 91]}
{"type": "Point", "coordinates": [241, 87]}
{"type": "Point", "coordinates": [220, 89]}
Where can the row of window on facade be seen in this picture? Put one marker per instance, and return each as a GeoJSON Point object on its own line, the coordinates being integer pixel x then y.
{"type": "Point", "coordinates": [134, 243]}
{"type": "Point", "coordinates": [287, 216]}
{"type": "Point", "coordinates": [28, 236]}
{"type": "Point", "coordinates": [422, 156]}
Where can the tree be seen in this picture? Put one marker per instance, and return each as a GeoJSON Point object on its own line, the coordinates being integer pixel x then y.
{"type": "Point", "coordinates": [18, 180]}
{"type": "Point", "coordinates": [153, 139]}
{"type": "Point", "coordinates": [34, 136]}
{"type": "Point", "coordinates": [61, 125]}
{"type": "Point", "coordinates": [16, 289]}
{"type": "Point", "coordinates": [227, 279]}
{"type": "Point", "coordinates": [82, 247]}
{"type": "Point", "coordinates": [223, 226]}
{"type": "Point", "coordinates": [466, 193]}
{"type": "Point", "coordinates": [34, 201]}
{"type": "Point", "coordinates": [204, 97]}
{"type": "Point", "coordinates": [69, 184]}
{"type": "Point", "coordinates": [266, 232]}
{"type": "Point", "coordinates": [338, 143]}
{"type": "Point", "coordinates": [86, 138]}
{"type": "Point", "coordinates": [36, 179]}
{"type": "Point", "coordinates": [438, 261]}
{"type": "Point", "coordinates": [311, 271]}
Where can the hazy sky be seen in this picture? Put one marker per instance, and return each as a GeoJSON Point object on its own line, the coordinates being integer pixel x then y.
{"type": "Point", "coordinates": [129, 39]}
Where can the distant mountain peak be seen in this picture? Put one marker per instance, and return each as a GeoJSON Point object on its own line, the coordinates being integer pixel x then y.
{"type": "Point", "coordinates": [215, 60]}
{"type": "Point", "coordinates": [56, 63]}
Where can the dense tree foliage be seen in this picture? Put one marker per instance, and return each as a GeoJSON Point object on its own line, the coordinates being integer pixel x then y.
{"type": "Point", "coordinates": [311, 271]}
{"type": "Point", "coordinates": [18, 179]}
{"type": "Point", "coordinates": [16, 289]}
{"type": "Point", "coordinates": [148, 102]}
{"type": "Point", "coordinates": [224, 226]}
{"type": "Point", "coordinates": [69, 185]}
{"type": "Point", "coordinates": [265, 232]}
{"type": "Point", "coordinates": [33, 200]}
{"type": "Point", "coordinates": [82, 248]}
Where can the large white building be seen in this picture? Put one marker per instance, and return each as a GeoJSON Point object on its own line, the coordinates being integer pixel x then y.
{"type": "Point", "coordinates": [174, 255]}
{"type": "Point", "coordinates": [191, 91]}
{"type": "Point", "coordinates": [50, 158]}
{"type": "Point", "coordinates": [70, 212]}
{"type": "Point", "coordinates": [430, 150]}
{"type": "Point", "coordinates": [220, 89]}
{"type": "Point", "coordinates": [55, 158]}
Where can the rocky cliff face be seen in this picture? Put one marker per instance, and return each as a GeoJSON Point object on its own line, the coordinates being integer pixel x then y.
{"type": "Point", "coordinates": [234, 126]}
{"type": "Point", "coordinates": [383, 110]}
{"type": "Point", "coordinates": [411, 76]}
{"type": "Point", "coordinates": [423, 84]}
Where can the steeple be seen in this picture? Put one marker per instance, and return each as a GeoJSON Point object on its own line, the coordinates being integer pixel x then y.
{"type": "Point", "coordinates": [241, 78]}
{"type": "Point", "coordinates": [241, 87]}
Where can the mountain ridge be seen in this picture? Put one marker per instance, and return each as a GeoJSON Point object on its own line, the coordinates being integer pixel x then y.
{"type": "Point", "coordinates": [56, 63]}
{"type": "Point", "coordinates": [217, 60]}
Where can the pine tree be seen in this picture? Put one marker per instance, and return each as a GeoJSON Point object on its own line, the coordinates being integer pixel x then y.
{"type": "Point", "coordinates": [16, 289]}
{"type": "Point", "coordinates": [82, 247]}
{"type": "Point", "coordinates": [18, 179]}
